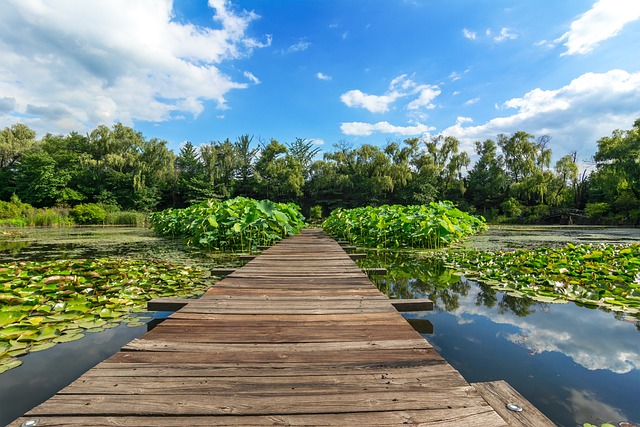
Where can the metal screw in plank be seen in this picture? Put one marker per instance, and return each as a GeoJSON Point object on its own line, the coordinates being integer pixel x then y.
{"type": "Point", "coordinates": [514, 407]}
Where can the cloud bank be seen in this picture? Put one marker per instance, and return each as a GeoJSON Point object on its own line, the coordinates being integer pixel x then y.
{"type": "Point", "coordinates": [73, 64]}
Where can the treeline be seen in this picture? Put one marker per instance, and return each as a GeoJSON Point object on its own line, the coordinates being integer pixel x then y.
{"type": "Point", "coordinates": [512, 179]}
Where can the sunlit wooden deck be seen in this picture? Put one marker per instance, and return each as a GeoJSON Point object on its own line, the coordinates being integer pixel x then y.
{"type": "Point", "coordinates": [298, 336]}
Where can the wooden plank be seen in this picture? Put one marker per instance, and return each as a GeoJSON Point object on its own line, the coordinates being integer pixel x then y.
{"type": "Point", "coordinates": [499, 393]}
{"type": "Point", "coordinates": [462, 417]}
{"type": "Point", "coordinates": [357, 256]}
{"type": "Point", "coordinates": [258, 404]}
{"type": "Point", "coordinates": [406, 305]}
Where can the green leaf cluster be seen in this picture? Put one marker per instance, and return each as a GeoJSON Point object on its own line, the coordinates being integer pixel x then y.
{"type": "Point", "coordinates": [44, 303]}
{"type": "Point", "coordinates": [592, 275]}
{"type": "Point", "coordinates": [236, 224]}
{"type": "Point", "coordinates": [396, 226]}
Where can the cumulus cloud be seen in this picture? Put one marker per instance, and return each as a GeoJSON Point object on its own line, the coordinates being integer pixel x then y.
{"type": "Point", "coordinates": [472, 101]}
{"type": "Point", "coordinates": [72, 65]}
{"type": "Point", "coordinates": [365, 129]}
{"type": "Point", "coordinates": [505, 34]}
{"type": "Point", "coordinates": [604, 20]}
{"type": "Point", "coordinates": [468, 34]}
{"type": "Point", "coordinates": [576, 115]}
{"type": "Point", "coordinates": [400, 87]}
{"type": "Point", "coordinates": [323, 76]}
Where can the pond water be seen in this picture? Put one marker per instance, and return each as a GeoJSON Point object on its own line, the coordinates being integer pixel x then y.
{"type": "Point", "coordinates": [575, 364]}
{"type": "Point", "coordinates": [43, 373]}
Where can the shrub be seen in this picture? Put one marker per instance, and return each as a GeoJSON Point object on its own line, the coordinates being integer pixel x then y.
{"type": "Point", "coordinates": [49, 217]}
{"type": "Point", "coordinates": [89, 213]}
{"type": "Point", "coordinates": [136, 219]}
{"type": "Point", "coordinates": [597, 210]}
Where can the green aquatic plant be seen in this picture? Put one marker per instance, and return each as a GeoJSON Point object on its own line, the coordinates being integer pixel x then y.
{"type": "Point", "coordinates": [432, 226]}
{"type": "Point", "coordinates": [591, 275]}
{"type": "Point", "coordinates": [45, 303]}
{"type": "Point", "coordinates": [236, 224]}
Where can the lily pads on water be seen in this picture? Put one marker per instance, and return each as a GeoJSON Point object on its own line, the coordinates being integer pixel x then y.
{"type": "Point", "coordinates": [590, 275]}
{"type": "Point", "coordinates": [45, 303]}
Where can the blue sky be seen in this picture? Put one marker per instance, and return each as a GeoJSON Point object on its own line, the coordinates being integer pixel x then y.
{"type": "Point", "coordinates": [359, 71]}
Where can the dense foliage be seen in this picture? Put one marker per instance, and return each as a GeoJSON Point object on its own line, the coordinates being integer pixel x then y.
{"type": "Point", "coordinates": [593, 275]}
{"type": "Point", "coordinates": [418, 226]}
{"type": "Point", "coordinates": [512, 179]}
{"type": "Point", "coordinates": [51, 302]}
{"type": "Point", "coordinates": [18, 214]}
{"type": "Point", "coordinates": [236, 224]}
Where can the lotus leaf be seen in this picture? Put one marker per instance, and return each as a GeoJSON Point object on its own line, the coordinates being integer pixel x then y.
{"type": "Point", "coordinates": [35, 319]}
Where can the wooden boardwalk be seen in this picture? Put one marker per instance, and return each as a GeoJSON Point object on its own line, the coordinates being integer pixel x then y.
{"type": "Point", "coordinates": [298, 336]}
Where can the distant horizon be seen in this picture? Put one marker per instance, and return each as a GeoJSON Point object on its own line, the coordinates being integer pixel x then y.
{"type": "Point", "coordinates": [358, 71]}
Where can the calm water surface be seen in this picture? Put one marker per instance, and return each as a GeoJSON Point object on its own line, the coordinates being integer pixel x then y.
{"type": "Point", "coordinates": [575, 364]}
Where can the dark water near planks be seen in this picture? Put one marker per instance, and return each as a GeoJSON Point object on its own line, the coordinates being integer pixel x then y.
{"type": "Point", "coordinates": [575, 364]}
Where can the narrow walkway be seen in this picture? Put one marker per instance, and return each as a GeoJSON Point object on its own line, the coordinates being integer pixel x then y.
{"type": "Point", "coordinates": [298, 336]}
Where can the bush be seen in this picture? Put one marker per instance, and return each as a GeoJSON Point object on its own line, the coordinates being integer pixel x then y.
{"type": "Point", "coordinates": [49, 217]}
{"type": "Point", "coordinates": [135, 219]}
{"type": "Point", "coordinates": [89, 213]}
{"type": "Point", "coordinates": [597, 210]}
{"type": "Point", "coordinates": [315, 213]}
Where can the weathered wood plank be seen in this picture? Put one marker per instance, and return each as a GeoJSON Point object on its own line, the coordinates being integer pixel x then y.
{"type": "Point", "coordinates": [462, 417]}
{"type": "Point", "coordinates": [259, 404]}
{"type": "Point", "coordinates": [275, 356]}
{"type": "Point", "coordinates": [499, 393]}
{"type": "Point", "coordinates": [190, 344]}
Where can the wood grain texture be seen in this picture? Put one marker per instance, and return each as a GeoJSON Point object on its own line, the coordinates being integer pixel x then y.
{"type": "Point", "coordinates": [298, 336]}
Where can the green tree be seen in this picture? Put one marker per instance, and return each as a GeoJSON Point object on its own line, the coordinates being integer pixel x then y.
{"type": "Point", "coordinates": [14, 141]}
{"type": "Point", "coordinates": [280, 176]}
{"type": "Point", "coordinates": [38, 181]}
{"type": "Point", "coordinates": [617, 176]}
{"type": "Point", "coordinates": [487, 182]}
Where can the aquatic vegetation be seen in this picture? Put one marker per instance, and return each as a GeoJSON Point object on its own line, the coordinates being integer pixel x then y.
{"type": "Point", "coordinates": [396, 226]}
{"type": "Point", "coordinates": [591, 275]}
{"type": "Point", "coordinates": [42, 304]}
{"type": "Point", "coordinates": [236, 224]}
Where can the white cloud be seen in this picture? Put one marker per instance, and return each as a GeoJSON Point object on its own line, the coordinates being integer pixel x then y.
{"type": "Point", "coordinates": [323, 76]}
{"type": "Point", "coordinates": [299, 46]}
{"type": "Point", "coordinates": [317, 141]}
{"type": "Point", "coordinates": [251, 77]}
{"type": "Point", "coordinates": [365, 129]}
{"type": "Point", "coordinates": [604, 20]}
{"type": "Point", "coordinates": [426, 94]}
{"type": "Point", "coordinates": [472, 101]}
{"type": "Point", "coordinates": [505, 34]}
{"type": "Point", "coordinates": [576, 115]}
{"type": "Point", "coordinates": [373, 103]}
{"type": "Point", "coordinates": [469, 34]}
{"type": "Point", "coordinates": [74, 64]}
{"type": "Point", "coordinates": [454, 76]}
{"type": "Point", "coordinates": [401, 86]}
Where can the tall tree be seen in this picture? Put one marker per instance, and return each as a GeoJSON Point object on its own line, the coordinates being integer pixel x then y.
{"type": "Point", "coordinates": [487, 183]}
{"type": "Point", "coordinates": [617, 176]}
